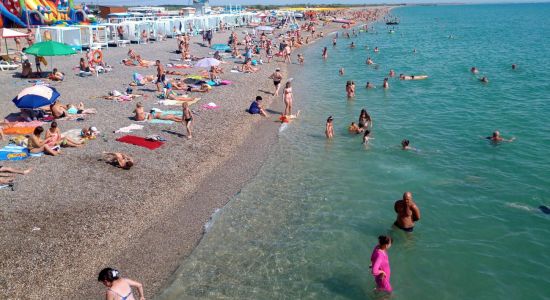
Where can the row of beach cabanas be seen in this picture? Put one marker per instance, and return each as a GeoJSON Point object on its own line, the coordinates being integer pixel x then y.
{"type": "Point", "coordinates": [106, 34]}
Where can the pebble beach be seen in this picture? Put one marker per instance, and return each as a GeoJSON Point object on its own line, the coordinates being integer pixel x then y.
{"type": "Point", "coordinates": [75, 214]}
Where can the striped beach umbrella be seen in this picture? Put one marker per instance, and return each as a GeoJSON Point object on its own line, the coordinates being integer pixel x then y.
{"type": "Point", "coordinates": [36, 96]}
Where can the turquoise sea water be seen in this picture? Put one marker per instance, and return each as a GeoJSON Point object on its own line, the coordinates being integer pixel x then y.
{"type": "Point", "coordinates": [306, 226]}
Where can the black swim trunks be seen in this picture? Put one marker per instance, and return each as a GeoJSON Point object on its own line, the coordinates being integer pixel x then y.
{"type": "Point", "coordinates": [276, 82]}
{"type": "Point", "coordinates": [161, 78]}
{"type": "Point", "coordinates": [406, 229]}
{"type": "Point", "coordinates": [189, 119]}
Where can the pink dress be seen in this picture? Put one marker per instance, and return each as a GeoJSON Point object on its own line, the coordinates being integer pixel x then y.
{"type": "Point", "coordinates": [380, 262]}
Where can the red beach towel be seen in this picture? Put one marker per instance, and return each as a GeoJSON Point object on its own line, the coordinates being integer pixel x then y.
{"type": "Point", "coordinates": [139, 141]}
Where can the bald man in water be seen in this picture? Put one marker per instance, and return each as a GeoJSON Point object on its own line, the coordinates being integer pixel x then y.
{"type": "Point", "coordinates": [407, 213]}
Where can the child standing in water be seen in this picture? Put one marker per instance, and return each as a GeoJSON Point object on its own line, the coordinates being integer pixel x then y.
{"type": "Point", "coordinates": [380, 264]}
{"type": "Point", "coordinates": [329, 129]}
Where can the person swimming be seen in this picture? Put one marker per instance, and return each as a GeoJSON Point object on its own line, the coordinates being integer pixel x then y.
{"type": "Point", "coordinates": [474, 70]}
{"type": "Point", "coordinates": [352, 45]}
{"type": "Point", "coordinates": [386, 85]}
{"type": "Point", "coordinates": [484, 79]}
{"type": "Point", "coordinates": [496, 138]}
{"type": "Point", "coordinates": [341, 71]}
{"type": "Point", "coordinates": [370, 85]}
{"type": "Point", "coordinates": [370, 61]}
{"type": "Point", "coordinates": [405, 145]}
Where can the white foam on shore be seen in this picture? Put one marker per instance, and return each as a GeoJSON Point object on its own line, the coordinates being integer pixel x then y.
{"type": "Point", "coordinates": [520, 206]}
{"type": "Point", "coordinates": [208, 225]}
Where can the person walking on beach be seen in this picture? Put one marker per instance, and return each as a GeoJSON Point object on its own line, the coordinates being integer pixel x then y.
{"type": "Point", "coordinates": [287, 97]}
{"type": "Point", "coordinates": [118, 287]}
{"type": "Point", "coordinates": [277, 76]}
{"type": "Point", "coordinates": [160, 75]}
{"type": "Point", "coordinates": [407, 213]}
{"type": "Point", "coordinates": [380, 264]}
{"type": "Point", "coordinates": [329, 128]}
{"type": "Point", "coordinates": [187, 118]}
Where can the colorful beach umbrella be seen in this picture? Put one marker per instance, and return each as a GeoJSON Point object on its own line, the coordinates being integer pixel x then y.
{"type": "Point", "coordinates": [36, 96]}
{"type": "Point", "coordinates": [207, 63]}
{"type": "Point", "coordinates": [50, 48]}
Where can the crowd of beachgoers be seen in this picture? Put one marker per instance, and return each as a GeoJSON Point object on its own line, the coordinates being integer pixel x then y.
{"type": "Point", "coordinates": [132, 108]}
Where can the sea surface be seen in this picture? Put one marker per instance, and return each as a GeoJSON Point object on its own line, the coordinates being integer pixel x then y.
{"type": "Point", "coordinates": [305, 227]}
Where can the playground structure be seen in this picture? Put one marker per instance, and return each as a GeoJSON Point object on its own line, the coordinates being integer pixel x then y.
{"type": "Point", "coordinates": [26, 13]}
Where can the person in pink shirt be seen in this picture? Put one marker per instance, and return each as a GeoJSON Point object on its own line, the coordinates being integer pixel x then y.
{"type": "Point", "coordinates": [380, 264]}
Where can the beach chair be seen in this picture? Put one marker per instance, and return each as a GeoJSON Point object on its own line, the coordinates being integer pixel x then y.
{"type": "Point", "coordinates": [6, 66]}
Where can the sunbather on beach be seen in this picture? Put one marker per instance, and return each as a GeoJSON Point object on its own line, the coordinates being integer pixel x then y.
{"type": "Point", "coordinates": [139, 80]}
{"type": "Point", "coordinates": [37, 145]}
{"type": "Point", "coordinates": [139, 113]}
{"type": "Point", "coordinates": [80, 109]}
{"type": "Point", "coordinates": [144, 63]}
{"type": "Point", "coordinates": [130, 63]}
{"type": "Point", "coordinates": [248, 68]}
{"type": "Point", "coordinates": [132, 54]}
{"type": "Point", "coordinates": [117, 159]}
{"type": "Point", "coordinates": [55, 75]}
{"type": "Point", "coordinates": [58, 110]}
{"type": "Point", "coordinates": [54, 138]}
{"type": "Point", "coordinates": [84, 67]}
{"type": "Point", "coordinates": [157, 114]}
{"type": "Point", "coordinates": [26, 71]}
{"type": "Point", "coordinates": [7, 174]}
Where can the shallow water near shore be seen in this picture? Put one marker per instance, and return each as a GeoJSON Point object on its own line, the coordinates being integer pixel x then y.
{"type": "Point", "coordinates": [306, 226]}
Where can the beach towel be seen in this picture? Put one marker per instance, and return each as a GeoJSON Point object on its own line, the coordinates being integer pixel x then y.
{"type": "Point", "coordinates": [13, 152]}
{"type": "Point", "coordinates": [158, 121]}
{"type": "Point", "coordinates": [139, 141]}
{"type": "Point", "coordinates": [26, 124]}
{"type": "Point", "coordinates": [129, 128]}
{"type": "Point", "coordinates": [18, 130]}
{"type": "Point", "coordinates": [177, 102]}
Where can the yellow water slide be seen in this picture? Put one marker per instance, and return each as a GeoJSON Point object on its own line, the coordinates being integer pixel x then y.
{"type": "Point", "coordinates": [33, 5]}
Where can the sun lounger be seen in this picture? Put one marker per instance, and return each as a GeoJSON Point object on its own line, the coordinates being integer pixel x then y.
{"type": "Point", "coordinates": [6, 66]}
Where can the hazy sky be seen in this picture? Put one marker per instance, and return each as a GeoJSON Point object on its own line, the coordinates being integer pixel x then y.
{"type": "Point", "coordinates": [225, 2]}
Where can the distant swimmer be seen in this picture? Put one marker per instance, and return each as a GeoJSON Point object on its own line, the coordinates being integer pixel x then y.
{"type": "Point", "coordinates": [341, 71]}
{"type": "Point", "coordinates": [407, 213]}
{"type": "Point", "coordinates": [496, 138]}
{"type": "Point", "coordinates": [484, 79]}
{"type": "Point", "coordinates": [325, 53]}
{"type": "Point", "coordinates": [386, 85]}
{"type": "Point", "coordinates": [369, 61]}
{"type": "Point", "coordinates": [353, 128]}
{"type": "Point", "coordinates": [514, 66]}
{"type": "Point", "coordinates": [367, 137]}
{"type": "Point", "coordinates": [329, 129]}
{"type": "Point", "coordinates": [392, 73]}
{"type": "Point", "coordinates": [334, 42]}
{"type": "Point", "coordinates": [414, 50]}
{"type": "Point", "coordinates": [352, 45]}
{"type": "Point", "coordinates": [474, 70]}
{"type": "Point", "coordinates": [406, 145]}
{"type": "Point", "coordinates": [370, 85]}
{"type": "Point", "coordinates": [412, 77]}
{"type": "Point", "coordinates": [376, 49]}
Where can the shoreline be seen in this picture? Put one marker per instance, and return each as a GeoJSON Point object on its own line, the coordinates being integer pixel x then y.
{"type": "Point", "coordinates": [145, 233]}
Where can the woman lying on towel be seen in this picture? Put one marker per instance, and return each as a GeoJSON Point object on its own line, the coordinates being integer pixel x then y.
{"type": "Point", "coordinates": [55, 75]}
{"type": "Point", "coordinates": [54, 138]}
{"type": "Point", "coordinates": [157, 114]}
{"type": "Point", "coordinates": [144, 63]}
{"type": "Point", "coordinates": [139, 80]}
{"type": "Point", "coordinates": [118, 159]}
{"type": "Point", "coordinates": [37, 145]}
{"type": "Point", "coordinates": [6, 174]}
{"type": "Point", "coordinates": [178, 73]}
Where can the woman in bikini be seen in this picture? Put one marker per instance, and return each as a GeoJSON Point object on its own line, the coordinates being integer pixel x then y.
{"type": "Point", "coordinates": [120, 160]}
{"type": "Point", "coordinates": [54, 138]}
{"type": "Point", "coordinates": [365, 120]}
{"type": "Point", "coordinates": [118, 287]}
{"type": "Point", "coordinates": [287, 97]}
